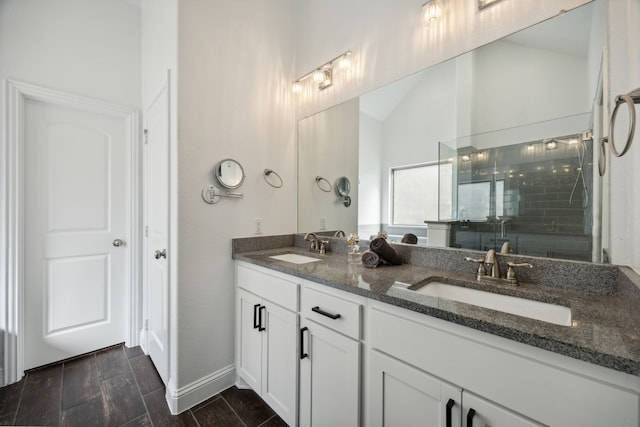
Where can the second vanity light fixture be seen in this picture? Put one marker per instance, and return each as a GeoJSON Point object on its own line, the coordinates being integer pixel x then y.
{"type": "Point", "coordinates": [323, 75]}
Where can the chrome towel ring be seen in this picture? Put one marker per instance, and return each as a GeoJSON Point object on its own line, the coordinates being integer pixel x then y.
{"type": "Point", "coordinates": [277, 183]}
{"type": "Point", "coordinates": [323, 184]}
{"type": "Point", "coordinates": [629, 99]}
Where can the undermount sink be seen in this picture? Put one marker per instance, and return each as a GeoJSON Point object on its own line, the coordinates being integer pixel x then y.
{"type": "Point", "coordinates": [552, 313]}
{"type": "Point", "coordinates": [294, 258]}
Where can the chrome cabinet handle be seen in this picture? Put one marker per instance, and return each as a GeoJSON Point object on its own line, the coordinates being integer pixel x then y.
{"type": "Point", "coordinates": [160, 254]}
{"type": "Point", "coordinates": [118, 242]}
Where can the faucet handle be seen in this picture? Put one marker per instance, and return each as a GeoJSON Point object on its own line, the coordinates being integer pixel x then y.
{"type": "Point", "coordinates": [324, 245]}
{"type": "Point", "coordinates": [511, 272]}
{"type": "Point", "coordinates": [481, 270]}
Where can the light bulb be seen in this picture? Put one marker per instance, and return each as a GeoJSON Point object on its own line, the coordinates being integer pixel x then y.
{"type": "Point", "coordinates": [318, 76]}
{"type": "Point", "coordinates": [296, 87]}
{"type": "Point", "coordinates": [431, 11]}
{"type": "Point", "coordinates": [345, 61]}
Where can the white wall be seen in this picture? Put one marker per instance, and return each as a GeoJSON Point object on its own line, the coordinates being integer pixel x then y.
{"type": "Point", "coordinates": [519, 85]}
{"type": "Point", "coordinates": [624, 76]}
{"type": "Point", "coordinates": [235, 69]}
{"type": "Point", "coordinates": [84, 48]}
{"type": "Point", "coordinates": [370, 177]}
{"type": "Point", "coordinates": [328, 147]}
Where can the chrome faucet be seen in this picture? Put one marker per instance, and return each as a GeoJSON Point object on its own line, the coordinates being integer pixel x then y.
{"type": "Point", "coordinates": [339, 233]}
{"type": "Point", "coordinates": [489, 269]}
{"type": "Point", "coordinates": [492, 264]}
{"type": "Point", "coordinates": [311, 237]}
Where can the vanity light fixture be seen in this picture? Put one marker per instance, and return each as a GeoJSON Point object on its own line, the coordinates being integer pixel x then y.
{"type": "Point", "coordinates": [551, 145]}
{"type": "Point", "coordinates": [431, 11]}
{"type": "Point", "coordinates": [486, 3]}
{"type": "Point", "coordinates": [323, 75]}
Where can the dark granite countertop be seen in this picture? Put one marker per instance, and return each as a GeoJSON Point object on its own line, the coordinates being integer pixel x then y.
{"type": "Point", "coordinates": [605, 326]}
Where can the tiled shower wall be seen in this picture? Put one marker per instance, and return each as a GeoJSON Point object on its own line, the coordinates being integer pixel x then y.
{"type": "Point", "coordinates": [547, 202]}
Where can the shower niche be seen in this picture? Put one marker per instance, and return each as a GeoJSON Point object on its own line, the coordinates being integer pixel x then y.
{"type": "Point", "coordinates": [533, 198]}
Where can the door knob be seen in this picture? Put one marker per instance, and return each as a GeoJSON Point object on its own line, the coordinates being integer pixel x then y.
{"type": "Point", "coordinates": [160, 254]}
{"type": "Point", "coordinates": [118, 242]}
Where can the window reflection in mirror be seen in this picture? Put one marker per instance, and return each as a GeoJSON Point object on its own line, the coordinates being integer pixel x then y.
{"type": "Point", "coordinates": [414, 197]}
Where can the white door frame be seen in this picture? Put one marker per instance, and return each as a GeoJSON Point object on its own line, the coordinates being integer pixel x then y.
{"type": "Point", "coordinates": [12, 215]}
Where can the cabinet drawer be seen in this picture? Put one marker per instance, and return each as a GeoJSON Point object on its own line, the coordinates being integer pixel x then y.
{"type": "Point", "coordinates": [337, 313]}
{"type": "Point", "coordinates": [268, 285]}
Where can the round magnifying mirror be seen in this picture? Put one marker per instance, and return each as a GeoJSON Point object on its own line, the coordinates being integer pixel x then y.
{"type": "Point", "coordinates": [229, 173]}
{"type": "Point", "coordinates": [343, 186]}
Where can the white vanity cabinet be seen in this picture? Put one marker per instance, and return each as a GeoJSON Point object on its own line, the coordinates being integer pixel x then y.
{"type": "Point", "coordinates": [502, 383]}
{"type": "Point", "coordinates": [266, 337]}
{"type": "Point", "coordinates": [402, 395]}
{"type": "Point", "coordinates": [330, 356]}
{"type": "Point", "coordinates": [302, 346]}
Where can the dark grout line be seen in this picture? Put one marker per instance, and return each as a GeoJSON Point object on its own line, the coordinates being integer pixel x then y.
{"type": "Point", "coordinates": [233, 410]}
{"type": "Point", "coordinates": [194, 417]}
{"type": "Point", "coordinates": [146, 408]}
{"type": "Point", "coordinates": [267, 420]}
{"type": "Point", "coordinates": [15, 415]}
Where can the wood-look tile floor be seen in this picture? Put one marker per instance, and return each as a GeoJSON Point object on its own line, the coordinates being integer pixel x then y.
{"type": "Point", "coordinates": [119, 386]}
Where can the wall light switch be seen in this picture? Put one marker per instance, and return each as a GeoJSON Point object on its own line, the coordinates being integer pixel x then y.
{"type": "Point", "coordinates": [323, 223]}
{"type": "Point", "coordinates": [258, 226]}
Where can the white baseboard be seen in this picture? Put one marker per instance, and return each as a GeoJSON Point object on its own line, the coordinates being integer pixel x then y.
{"type": "Point", "coordinates": [242, 384]}
{"type": "Point", "coordinates": [183, 398]}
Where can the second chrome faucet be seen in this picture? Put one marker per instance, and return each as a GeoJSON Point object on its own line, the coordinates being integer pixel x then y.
{"type": "Point", "coordinates": [316, 244]}
{"type": "Point", "coordinates": [489, 269]}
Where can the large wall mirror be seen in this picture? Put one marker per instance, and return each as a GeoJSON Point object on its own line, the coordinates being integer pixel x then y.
{"type": "Point", "coordinates": [443, 145]}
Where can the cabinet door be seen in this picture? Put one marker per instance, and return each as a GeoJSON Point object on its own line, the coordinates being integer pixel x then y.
{"type": "Point", "coordinates": [478, 412]}
{"type": "Point", "coordinates": [401, 395]}
{"type": "Point", "coordinates": [329, 377]}
{"type": "Point", "coordinates": [280, 361]}
{"type": "Point", "coordinates": [249, 339]}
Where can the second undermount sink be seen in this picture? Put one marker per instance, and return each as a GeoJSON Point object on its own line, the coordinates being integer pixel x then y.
{"type": "Point", "coordinates": [295, 258]}
{"type": "Point", "coordinates": [552, 313]}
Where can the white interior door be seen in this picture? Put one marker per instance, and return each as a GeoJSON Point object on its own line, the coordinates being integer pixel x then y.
{"type": "Point", "coordinates": [156, 203]}
{"type": "Point", "coordinates": [77, 203]}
